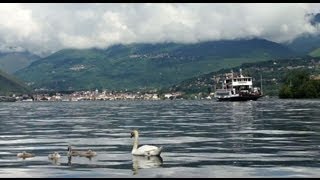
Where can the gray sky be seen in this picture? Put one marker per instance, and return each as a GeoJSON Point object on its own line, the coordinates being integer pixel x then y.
{"type": "Point", "coordinates": [49, 27]}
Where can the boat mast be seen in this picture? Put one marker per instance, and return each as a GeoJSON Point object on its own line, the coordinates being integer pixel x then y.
{"type": "Point", "coordinates": [214, 83]}
{"type": "Point", "coordinates": [261, 83]}
{"type": "Point", "coordinates": [222, 84]}
{"type": "Point", "coordinates": [231, 80]}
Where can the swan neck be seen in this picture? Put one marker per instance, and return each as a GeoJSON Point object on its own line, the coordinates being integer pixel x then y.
{"type": "Point", "coordinates": [135, 142]}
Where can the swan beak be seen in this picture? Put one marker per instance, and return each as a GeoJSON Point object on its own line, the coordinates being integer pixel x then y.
{"type": "Point", "coordinates": [131, 135]}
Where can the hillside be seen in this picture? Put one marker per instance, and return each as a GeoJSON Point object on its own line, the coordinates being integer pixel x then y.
{"type": "Point", "coordinates": [10, 85]}
{"type": "Point", "coordinates": [272, 73]}
{"type": "Point", "coordinates": [315, 53]}
{"type": "Point", "coordinates": [14, 61]}
{"type": "Point", "coordinates": [144, 66]}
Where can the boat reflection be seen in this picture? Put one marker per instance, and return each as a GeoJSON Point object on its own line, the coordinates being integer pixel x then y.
{"type": "Point", "coordinates": [144, 162]}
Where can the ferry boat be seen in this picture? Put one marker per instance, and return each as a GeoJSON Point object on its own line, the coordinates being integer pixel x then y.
{"type": "Point", "coordinates": [237, 88]}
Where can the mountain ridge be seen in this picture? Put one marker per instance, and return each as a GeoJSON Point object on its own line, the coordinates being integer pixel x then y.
{"type": "Point", "coordinates": [11, 62]}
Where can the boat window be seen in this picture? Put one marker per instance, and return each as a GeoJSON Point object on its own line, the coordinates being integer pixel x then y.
{"type": "Point", "coordinates": [234, 80]}
{"type": "Point", "coordinates": [222, 93]}
{"type": "Point", "coordinates": [249, 79]}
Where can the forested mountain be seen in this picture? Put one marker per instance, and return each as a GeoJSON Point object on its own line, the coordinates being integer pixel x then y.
{"type": "Point", "coordinates": [144, 66]}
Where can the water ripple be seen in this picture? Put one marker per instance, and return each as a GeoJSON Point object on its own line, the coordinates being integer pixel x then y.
{"type": "Point", "coordinates": [267, 138]}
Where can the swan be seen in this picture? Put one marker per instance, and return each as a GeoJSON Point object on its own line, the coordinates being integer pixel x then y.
{"type": "Point", "coordinates": [145, 150]}
{"type": "Point", "coordinates": [24, 155]}
{"type": "Point", "coordinates": [53, 156]}
{"type": "Point", "coordinates": [72, 152]}
{"type": "Point", "coordinates": [88, 153]}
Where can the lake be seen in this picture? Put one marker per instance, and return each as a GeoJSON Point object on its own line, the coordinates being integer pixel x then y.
{"type": "Point", "coordinates": [265, 138]}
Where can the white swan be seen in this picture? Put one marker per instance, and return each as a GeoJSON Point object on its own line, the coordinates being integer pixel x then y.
{"type": "Point", "coordinates": [24, 155]}
{"type": "Point", "coordinates": [54, 156]}
{"type": "Point", "coordinates": [145, 150]}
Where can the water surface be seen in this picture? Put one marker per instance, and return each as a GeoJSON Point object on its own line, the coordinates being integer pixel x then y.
{"type": "Point", "coordinates": [264, 138]}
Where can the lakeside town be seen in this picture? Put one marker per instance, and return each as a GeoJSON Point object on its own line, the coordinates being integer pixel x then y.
{"type": "Point", "coordinates": [95, 96]}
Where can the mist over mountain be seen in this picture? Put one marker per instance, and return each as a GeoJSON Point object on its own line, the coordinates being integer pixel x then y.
{"type": "Point", "coordinates": [307, 42]}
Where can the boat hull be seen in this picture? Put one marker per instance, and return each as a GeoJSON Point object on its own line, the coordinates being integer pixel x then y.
{"type": "Point", "coordinates": [240, 98]}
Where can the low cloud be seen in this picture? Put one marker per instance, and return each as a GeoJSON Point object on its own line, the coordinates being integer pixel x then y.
{"type": "Point", "coordinates": [46, 28]}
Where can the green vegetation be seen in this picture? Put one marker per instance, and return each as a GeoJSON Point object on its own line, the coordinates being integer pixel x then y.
{"type": "Point", "coordinates": [143, 66]}
{"type": "Point", "coordinates": [271, 71]}
{"type": "Point", "coordinates": [315, 53]}
{"type": "Point", "coordinates": [298, 84]}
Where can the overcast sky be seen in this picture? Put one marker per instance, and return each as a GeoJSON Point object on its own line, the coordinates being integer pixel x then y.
{"type": "Point", "coordinates": [50, 27]}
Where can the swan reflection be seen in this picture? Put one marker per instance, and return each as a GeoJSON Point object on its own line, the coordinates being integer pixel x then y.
{"type": "Point", "coordinates": [55, 161]}
{"type": "Point", "coordinates": [144, 162]}
{"type": "Point", "coordinates": [70, 160]}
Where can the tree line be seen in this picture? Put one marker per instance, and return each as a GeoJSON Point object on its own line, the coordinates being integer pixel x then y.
{"type": "Point", "coordinates": [299, 84]}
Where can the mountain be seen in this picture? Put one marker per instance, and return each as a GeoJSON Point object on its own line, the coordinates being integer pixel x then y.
{"type": "Point", "coordinates": [11, 85]}
{"type": "Point", "coordinates": [11, 62]}
{"type": "Point", "coordinates": [305, 44]}
{"type": "Point", "coordinates": [142, 65]}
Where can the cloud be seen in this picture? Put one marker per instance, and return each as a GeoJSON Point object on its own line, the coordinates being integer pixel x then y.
{"type": "Point", "coordinates": [46, 28]}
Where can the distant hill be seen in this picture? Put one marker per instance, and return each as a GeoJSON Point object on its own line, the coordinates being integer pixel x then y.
{"type": "Point", "coordinates": [14, 61]}
{"type": "Point", "coordinates": [143, 66]}
{"type": "Point", "coordinates": [272, 73]}
{"type": "Point", "coordinates": [10, 85]}
{"type": "Point", "coordinates": [305, 44]}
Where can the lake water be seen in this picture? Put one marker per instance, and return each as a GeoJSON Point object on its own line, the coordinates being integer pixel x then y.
{"type": "Point", "coordinates": [264, 138]}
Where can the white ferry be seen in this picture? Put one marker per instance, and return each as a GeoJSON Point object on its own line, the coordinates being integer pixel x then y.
{"type": "Point", "coordinates": [237, 88]}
